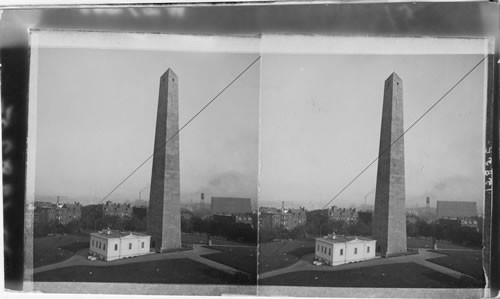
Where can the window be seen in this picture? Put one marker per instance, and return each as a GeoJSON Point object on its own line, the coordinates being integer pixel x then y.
{"type": "Point", "coordinates": [104, 246]}
{"type": "Point", "coordinates": [368, 249]}
{"type": "Point", "coordinates": [355, 250]}
{"type": "Point", "coordinates": [99, 245]}
{"type": "Point", "coordinates": [329, 251]}
{"type": "Point", "coordinates": [92, 242]}
{"type": "Point", "coordinates": [142, 245]}
{"type": "Point", "coordinates": [318, 248]}
{"type": "Point", "coordinates": [129, 245]}
{"type": "Point", "coordinates": [341, 251]}
{"type": "Point", "coordinates": [116, 247]}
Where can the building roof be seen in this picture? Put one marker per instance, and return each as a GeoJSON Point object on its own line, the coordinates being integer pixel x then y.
{"type": "Point", "coordinates": [231, 205]}
{"type": "Point", "coordinates": [113, 234]}
{"type": "Point", "coordinates": [455, 209]}
{"type": "Point", "coordinates": [343, 239]}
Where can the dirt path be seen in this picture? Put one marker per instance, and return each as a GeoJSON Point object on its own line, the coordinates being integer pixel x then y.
{"type": "Point", "coordinates": [305, 264]}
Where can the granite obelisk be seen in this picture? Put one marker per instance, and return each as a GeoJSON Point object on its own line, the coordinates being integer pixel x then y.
{"type": "Point", "coordinates": [389, 217]}
{"type": "Point", "coordinates": [164, 220]}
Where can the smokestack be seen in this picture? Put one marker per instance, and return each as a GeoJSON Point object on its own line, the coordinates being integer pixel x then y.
{"type": "Point", "coordinates": [282, 205]}
{"type": "Point", "coordinates": [427, 202]}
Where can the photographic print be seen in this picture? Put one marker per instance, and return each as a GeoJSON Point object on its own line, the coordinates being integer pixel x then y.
{"type": "Point", "coordinates": [144, 156]}
{"type": "Point", "coordinates": [371, 154]}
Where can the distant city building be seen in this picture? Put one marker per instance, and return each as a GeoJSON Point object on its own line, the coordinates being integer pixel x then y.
{"type": "Point", "coordinates": [244, 218]}
{"type": "Point", "coordinates": [44, 215]}
{"type": "Point", "coordinates": [117, 209]}
{"type": "Point", "coordinates": [295, 217]}
{"type": "Point", "coordinates": [109, 245]}
{"type": "Point", "coordinates": [60, 212]}
{"type": "Point", "coordinates": [269, 220]}
{"type": "Point", "coordinates": [230, 205]}
{"type": "Point", "coordinates": [342, 214]}
{"type": "Point", "coordinates": [65, 213]}
{"type": "Point", "coordinates": [282, 218]}
{"type": "Point", "coordinates": [456, 209]}
{"type": "Point", "coordinates": [472, 222]}
{"type": "Point", "coordinates": [337, 250]}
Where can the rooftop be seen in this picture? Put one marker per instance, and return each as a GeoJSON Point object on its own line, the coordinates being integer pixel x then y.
{"type": "Point", "coordinates": [342, 239]}
{"type": "Point", "coordinates": [111, 234]}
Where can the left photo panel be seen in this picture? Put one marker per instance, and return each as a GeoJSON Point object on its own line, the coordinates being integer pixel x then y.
{"type": "Point", "coordinates": [142, 163]}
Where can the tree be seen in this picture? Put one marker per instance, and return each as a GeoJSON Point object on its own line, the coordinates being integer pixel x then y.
{"type": "Point", "coordinates": [72, 227]}
{"type": "Point", "coordinates": [359, 229]}
{"type": "Point", "coordinates": [186, 225]}
{"type": "Point", "coordinates": [41, 230]}
{"type": "Point", "coordinates": [134, 224]}
{"type": "Point", "coordinates": [91, 214]}
{"type": "Point", "coordinates": [266, 235]}
{"type": "Point", "coordinates": [298, 232]}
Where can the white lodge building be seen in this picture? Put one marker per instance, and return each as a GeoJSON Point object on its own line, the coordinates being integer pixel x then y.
{"type": "Point", "coordinates": [111, 245]}
{"type": "Point", "coordinates": [337, 250]}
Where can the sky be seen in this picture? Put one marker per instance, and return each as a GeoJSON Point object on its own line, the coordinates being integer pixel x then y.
{"type": "Point", "coordinates": [96, 121]}
{"type": "Point", "coordinates": [295, 128]}
{"type": "Point", "coordinates": [321, 118]}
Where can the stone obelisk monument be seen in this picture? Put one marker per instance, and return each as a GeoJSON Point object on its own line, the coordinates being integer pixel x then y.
{"type": "Point", "coordinates": [164, 219]}
{"type": "Point", "coordinates": [389, 217]}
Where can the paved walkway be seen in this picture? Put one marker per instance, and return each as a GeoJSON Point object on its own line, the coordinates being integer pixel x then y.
{"type": "Point", "coordinates": [80, 259]}
{"type": "Point", "coordinates": [305, 264]}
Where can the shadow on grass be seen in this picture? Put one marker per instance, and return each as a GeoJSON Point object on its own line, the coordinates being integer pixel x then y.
{"type": "Point", "coordinates": [241, 258]}
{"type": "Point", "coordinates": [178, 271]}
{"type": "Point", "coordinates": [55, 249]}
{"type": "Point", "coordinates": [404, 275]}
{"type": "Point", "coordinates": [467, 261]}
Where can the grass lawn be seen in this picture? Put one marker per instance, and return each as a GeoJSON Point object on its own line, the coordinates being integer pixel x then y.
{"type": "Point", "coordinates": [448, 245]}
{"type": "Point", "coordinates": [468, 262]}
{"type": "Point", "coordinates": [166, 271]}
{"type": "Point", "coordinates": [276, 255]}
{"type": "Point", "coordinates": [193, 238]}
{"type": "Point", "coordinates": [405, 275]}
{"type": "Point", "coordinates": [421, 243]}
{"type": "Point", "coordinates": [54, 249]}
{"type": "Point", "coordinates": [241, 258]}
{"type": "Point", "coordinates": [418, 243]}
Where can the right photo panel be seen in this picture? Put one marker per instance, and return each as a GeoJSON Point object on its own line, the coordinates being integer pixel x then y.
{"type": "Point", "coordinates": [371, 163]}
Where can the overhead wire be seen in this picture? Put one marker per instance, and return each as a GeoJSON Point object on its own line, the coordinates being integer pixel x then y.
{"type": "Point", "coordinates": [405, 131]}
{"type": "Point", "coordinates": [178, 131]}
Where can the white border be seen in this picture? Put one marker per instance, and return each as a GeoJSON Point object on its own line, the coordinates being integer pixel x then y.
{"type": "Point", "coordinates": [46, 38]}
{"type": "Point", "coordinates": [11, 4]}
{"type": "Point", "coordinates": [359, 45]}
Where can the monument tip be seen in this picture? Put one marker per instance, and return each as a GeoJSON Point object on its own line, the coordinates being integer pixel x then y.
{"type": "Point", "coordinates": [169, 73]}
{"type": "Point", "coordinates": [393, 77]}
